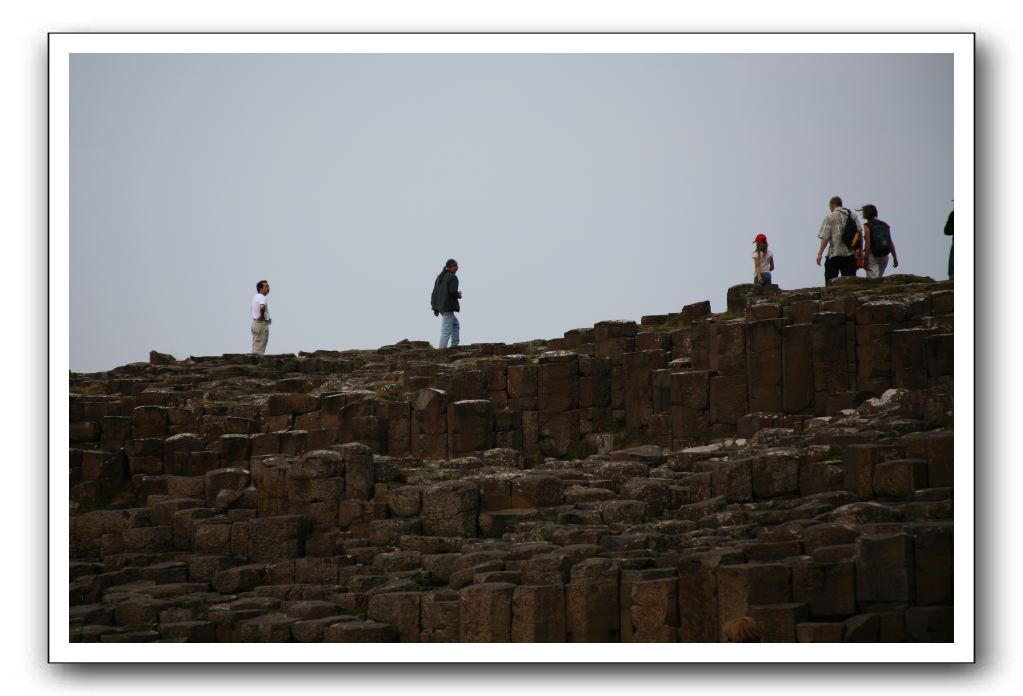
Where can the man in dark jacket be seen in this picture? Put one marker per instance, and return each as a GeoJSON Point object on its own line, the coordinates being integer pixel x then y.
{"type": "Point", "coordinates": [444, 301]}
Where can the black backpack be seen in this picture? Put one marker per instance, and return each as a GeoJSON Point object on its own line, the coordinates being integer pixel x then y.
{"type": "Point", "coordinates": [850, 233]}
{"type": "Point", "coordinates": [880, 238]}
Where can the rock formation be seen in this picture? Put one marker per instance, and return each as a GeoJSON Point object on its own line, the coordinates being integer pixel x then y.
{"type": "Point", "coordinates": [789, 460]}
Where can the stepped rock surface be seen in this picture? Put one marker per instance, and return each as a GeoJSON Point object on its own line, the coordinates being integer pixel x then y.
{"type": "Point", "coordinates": [789, 460]}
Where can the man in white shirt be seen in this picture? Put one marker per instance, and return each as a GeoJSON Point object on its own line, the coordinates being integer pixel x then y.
{"type": "Point", "coordinates": [841, 257]}
{"type": "Point", "coordinates": [260, 318]}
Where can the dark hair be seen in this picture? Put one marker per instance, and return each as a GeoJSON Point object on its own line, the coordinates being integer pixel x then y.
{"type": "Point", "coordinates": [869, 211]}
{"type": "Point", "coordinates": [764, 247]}
{"type": "Point", "coordinates": [835, 200]}
{"type": "Point", "coordinates": [448, 264]}
{"type": "Point", "coordinates": [259, 285]}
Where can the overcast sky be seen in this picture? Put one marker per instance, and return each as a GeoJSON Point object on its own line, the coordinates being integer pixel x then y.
{"type": "Point", "coordinates": [570, 188]}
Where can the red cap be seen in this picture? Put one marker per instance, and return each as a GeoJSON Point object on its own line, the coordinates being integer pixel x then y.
{"type": "Point", "coordinates": [760, 238]}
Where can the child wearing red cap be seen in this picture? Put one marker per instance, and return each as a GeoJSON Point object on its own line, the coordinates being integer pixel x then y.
{"type": "Point", "coordinates": [763, 261]}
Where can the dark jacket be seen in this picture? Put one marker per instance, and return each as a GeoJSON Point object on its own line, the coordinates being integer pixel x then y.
{"type": "Point", "coordinates": [445, 293]}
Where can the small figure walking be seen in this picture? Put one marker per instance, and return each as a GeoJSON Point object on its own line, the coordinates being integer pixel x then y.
{"type": "Point", "coordinates": [950, 232]}
{"type": "Point", "coordinates": [877, 241]}
{"type": "Point", "coordinates": [444, 302]}
{"type": "Point", "coordinates": [763, 261]}
{"type": "Point", "coordinates": [260, 318]}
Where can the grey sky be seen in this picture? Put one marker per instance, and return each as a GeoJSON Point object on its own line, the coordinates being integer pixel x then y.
{"type": "Point", "coordinates": [571, 188]}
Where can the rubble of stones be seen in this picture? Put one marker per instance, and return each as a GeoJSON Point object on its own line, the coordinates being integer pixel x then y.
{"type": "Point", "coordinates": [790, 460]}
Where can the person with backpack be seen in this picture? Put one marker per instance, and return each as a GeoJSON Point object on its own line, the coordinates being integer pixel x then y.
{"type": "Point", "coordinates": [444, 302]}
{"type": "Point", "coordinates": [841, 233]}
{"type": "Point", "coordinates": [877, 242]}
{"type": "Point", "coordinates": [763, 261]}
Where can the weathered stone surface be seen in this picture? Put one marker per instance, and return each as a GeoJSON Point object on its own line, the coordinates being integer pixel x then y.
{"type": "Point", "coordinates": [745, 584]}
{"type": "Point", "coordinates": [538, 614]}
{"type": "Point", "coordinates": [360, 632]}
{"type": "Point", "coordinates": [778, 622]}
{"type": "Point", "coordinates": [450, 509]}
{"type": "Point", "coordinates": [728, 399]}
{"type": "Point", "coordinates": [776, 473]}
{"type": "Point", "coordinates": [591, 603]}
{"type": "Point", "coordinates": [359, 470]}
{"type": "Point", "coordinates": [884, 568]}
{"type": "Point", "coordinates": [859, 462]}
{"type": "Point", "coordinates": [485, 614]}
{"type": "Point", "coordinates": [275, 538]}
{"type": "Point", "coordinates": [612, 485]}
{"type": "Point", "coordinates": [400, 610]}
{"type": "Point", "coordinates": [230, 479]}
{"type": "Point", "coordinates": [828, 590]}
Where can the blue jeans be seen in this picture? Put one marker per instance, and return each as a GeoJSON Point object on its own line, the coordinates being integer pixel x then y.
{"type": "Point", "coordinates": [765, 276]}
{"type": "Point", "coordinates": [448, 329]}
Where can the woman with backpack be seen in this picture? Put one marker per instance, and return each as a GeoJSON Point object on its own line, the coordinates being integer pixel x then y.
{"type": "Point", "coordinates": [763, 261]}
{"type": "Point", "coordinates": [877, 241]}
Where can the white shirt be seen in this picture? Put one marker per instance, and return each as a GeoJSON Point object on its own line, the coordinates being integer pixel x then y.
{"type": "Point", "coordinates": [260, 299]}
{"type": "Point", "coordinates": [831, 230]}
{"type": "Point", "coordinates": [765, 262]}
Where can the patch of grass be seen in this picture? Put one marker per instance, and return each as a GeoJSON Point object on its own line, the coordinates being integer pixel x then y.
{"type": "Point", "coordinates": [538, 534]}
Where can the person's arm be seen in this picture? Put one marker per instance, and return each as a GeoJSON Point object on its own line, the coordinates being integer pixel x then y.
{"type": "Point", "coordinates": [895, 257]}
{"type": "Point", "coordinates": [866, 237]}
{"type": "Point", "coordinates": [756, 267]}
{"type": "Point", "coordinates": [772, 262]}
{"type": "Point", "coordinates": [453, 287]}
{"type": "Point", "coordinates": [820, 252]}
{"type": "Point", "coordinates": [262, 310]}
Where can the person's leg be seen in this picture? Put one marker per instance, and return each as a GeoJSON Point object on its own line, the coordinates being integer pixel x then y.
{"type": "Point", "coordinates": [847, 265]}
{"type": "Point", "coordinates": [871, 266]}
{"type": "Point", "coordinates": [455, 326]}
{"type": "Point", "coordinates": [445, 328]}
{"type": "Point", "coordinates": [830, 269]}
{"type": "Point", "coordinates": [766, 277]}
{"type": "Point", "coordinates": [260, 336]}
{"type": "Point", "coordinates": [882, 264]}
{"type": "Point", "coordinates": [950, 250]}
